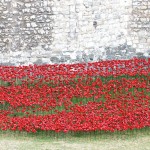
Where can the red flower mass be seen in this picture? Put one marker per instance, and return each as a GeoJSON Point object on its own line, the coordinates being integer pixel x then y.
{"type": "Point", "coordinates": [107, 95]}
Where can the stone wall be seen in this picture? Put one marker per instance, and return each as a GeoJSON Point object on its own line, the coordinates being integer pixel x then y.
{"type": "Point", "coordinates": [139, 27]}
{"type": "Point", "coordinates": [70, 31]}
{"type": "Point", "coordinates": [25, 31]}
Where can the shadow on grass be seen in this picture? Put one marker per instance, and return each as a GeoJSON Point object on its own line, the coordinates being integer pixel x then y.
{"type": "Point", "coordinates": [95, 135]}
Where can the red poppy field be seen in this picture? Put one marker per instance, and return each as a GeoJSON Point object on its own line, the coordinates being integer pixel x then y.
{"type": "Point", "coordinates": [107, 95]}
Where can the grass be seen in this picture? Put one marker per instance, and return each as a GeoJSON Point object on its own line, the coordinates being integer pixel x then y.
{"type": "Point", "coordinates": [137, 139]}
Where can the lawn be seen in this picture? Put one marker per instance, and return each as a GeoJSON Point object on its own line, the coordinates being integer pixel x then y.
{"type": "Point", "coordinates": [126, 140]}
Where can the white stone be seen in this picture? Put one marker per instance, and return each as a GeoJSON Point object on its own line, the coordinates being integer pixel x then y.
{"type": "Point", "coordinates": [27, 4]}
{"type": "Point", "coordinates": [33, 24]}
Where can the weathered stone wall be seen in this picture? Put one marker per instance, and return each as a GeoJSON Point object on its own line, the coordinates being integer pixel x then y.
{"type": "Point", "coordinates": [25, 31]}
{"type": "Point", "coordinates": [70, 31]}
{"type": "Point", "coordinates": [139, 27]}
{"type": "Point", "coordinates": [93, 29]}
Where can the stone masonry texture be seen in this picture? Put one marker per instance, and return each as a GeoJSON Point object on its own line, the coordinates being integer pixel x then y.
{"type": "Point", "coordinates": [72, 31]}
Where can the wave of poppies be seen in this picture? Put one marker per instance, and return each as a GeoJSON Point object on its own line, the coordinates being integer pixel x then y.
{"type": "Point", "coordinates": [107, 95]}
